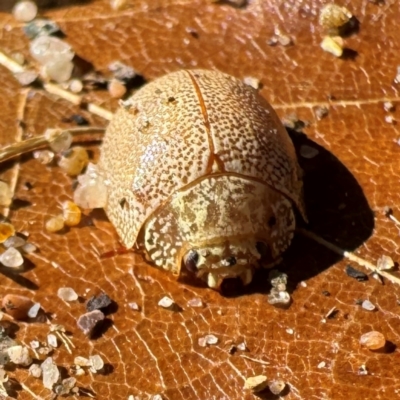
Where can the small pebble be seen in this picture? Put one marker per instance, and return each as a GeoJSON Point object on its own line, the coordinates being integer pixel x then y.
{"type": "Point", "coordinates": [35, 371]}
{"type": "Point", "coordinates": [196, 302]}
{"type": "Point", "coordinates": [17, 306]}
{"type": "Point", "coordinates": [14, 241]}
{"type": "Point", "coordinates": [290, 331]}
{"type": "Point", "coordinates": [74, 160]}
{"type": "Point", "coordinates": [121, 71]}
{"type": "Point", "coordinates": [5, 196]}
{"type": "Point", "coordinates": [25, 78]}
{"type": "Point", "coordinates": [251, 81]}
{"type": "Point", "coordinates": [166, 302]}
{"type": "Point", "coordinates": [88, 321]}
{"type": "Point", "coordinates": [116, 89]}
{"type": "Point", "coordinates": [65, 387]}
{"type": "Point", "coordinates": [91, 194]}
{"type": "Point", "coordinates": [76, 86]}
{"type": "Point", "coordinates": [333, 45]}
{"type": "Point", "coordinates": [50, 372]}
{"type": "Point", "coordinates": [67, 294]}
{"type": "Point", "coordinates": [11, 258]}
{"type": "Point", "coordinates": [362, 370]}
{"type": "Point", "coordinates": [50, 49]}
{"type": "Point", "coordinates": [96, 363]}
{"type": "Point", "coordinates": [18, 58]}
{"type": "Point", "coordinates": [303, 284]}
{"type": "Point", "coordinates": [19, 355]}
{"type": "Point", "coordinates": [321, 112]}
{"type": "Point", "coordinates": [45, 157]}
{"type": "Point", "coordinates": [388, 106]}
{"type": "Point", "coordinates": [389, 119]}
{"type": "Point", "coordinates": [52, 340]}
{"type": "Point", "coordinates": [40, 27]}
{"type": "Point", "coordinates": [59, 140]}
{"type": "Point", "coordinates": [242, 346]}
{"type": "Point", "coordinates": [134, 306]}
{"type": "Point", "coordinates": [373, 340]}
{"type": "Point", "coordinates": [55, 224]}
{"type": "Point", "coordinates": [35, 344]}
{"type": "Point", "coordinates": [256, 383]}
{"type": "Point", "coordinates": [322, 364]}
{"type": "Point", "coordinates": [6, 231]}
{"type": "Point", "coordinates": [279, 297]}
{"type": "Point", "coordinates": [25, 11]}
{"type": "Point", "coordinates": [82, 361]}
{"type": "Point", "coordinates": [28, 248]}
{"type": "Point", "coordinates": [385, 263]}
{"type": "Point", "coordinates": [33, 311]}
{"type": "Point", "coordinates": [333, 16]}
{"type": "Point", "coordinates": [356, 274]}
{"type": "Point", "coordinates": [367, 305]}
{"type": "Point", "coordinates": [98, 302]}
{"type": "Point", "coordinates": [276, 387]}
{"type": "Point", "coordinates": [308, 151]}
{"type": "Point", "coordinates": [208, 340]}
{"type": "Point", "coordinates": [71, 213]}
{"type": "Point", "coordinates": [118, 4]}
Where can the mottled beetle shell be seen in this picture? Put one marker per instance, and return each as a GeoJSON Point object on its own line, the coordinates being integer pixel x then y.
{"type": "Point", "coordinates": [199, 158]}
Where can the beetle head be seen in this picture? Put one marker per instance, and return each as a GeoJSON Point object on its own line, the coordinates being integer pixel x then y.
{"type": "Point", "coordinates": [225, 266]}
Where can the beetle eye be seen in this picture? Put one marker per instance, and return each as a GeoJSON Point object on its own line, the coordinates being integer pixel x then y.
{"type": "Point", "coordinates": [191, 260]}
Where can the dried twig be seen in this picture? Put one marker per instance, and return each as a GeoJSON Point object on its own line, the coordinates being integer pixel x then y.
{"type": "Point", "coordinates": [26, 146]}
{"type": "Point", "coordinates": [349, 255]}
{"type": "Point", "coordinates": [255, 360]}
{"type": "Point", "coordinates": [52, 88]}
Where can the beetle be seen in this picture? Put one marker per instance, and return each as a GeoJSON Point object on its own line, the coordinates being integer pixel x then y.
{"type": "Point", "coordinates": [201, 174]}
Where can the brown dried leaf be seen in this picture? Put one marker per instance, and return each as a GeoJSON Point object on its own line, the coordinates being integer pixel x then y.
{"type": "Point", "coordinates": [155, 351]}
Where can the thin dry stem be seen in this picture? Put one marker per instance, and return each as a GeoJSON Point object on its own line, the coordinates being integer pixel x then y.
{"type": "Point", "coordinates": [349, 255]}
{"type": "Point", "coordinates": [57, 90]}
{"type": "Point", "coordinates": [32, 144]}
{"type": "Point", "coordinates": [255, 360]}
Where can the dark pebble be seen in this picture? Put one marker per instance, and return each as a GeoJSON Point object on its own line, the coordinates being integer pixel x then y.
{"type": "Point", "coordinates": [356, 274]}
{"type": "Point", "coordinates": [98, 302]}
{"type": "Point", "coordinates": [87, 322]}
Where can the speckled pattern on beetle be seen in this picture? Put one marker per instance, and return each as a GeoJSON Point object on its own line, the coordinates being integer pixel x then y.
{"type": "Point", "coordinates": [201, 174]}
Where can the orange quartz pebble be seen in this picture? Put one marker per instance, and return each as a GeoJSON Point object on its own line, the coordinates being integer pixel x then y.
{"type": "Point", "coordinates": [373, 340]}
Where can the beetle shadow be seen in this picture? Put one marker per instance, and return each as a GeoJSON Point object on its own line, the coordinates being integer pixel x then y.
{"type": "Point", "coordinates": [337, 210]}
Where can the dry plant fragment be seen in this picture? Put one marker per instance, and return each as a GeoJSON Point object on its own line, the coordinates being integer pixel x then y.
{"type": "Point", "coordinates": [256, 383]}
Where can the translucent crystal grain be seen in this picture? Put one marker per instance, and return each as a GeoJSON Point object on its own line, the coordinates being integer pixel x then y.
{"type": "Point", "coordinates": [48, 49]}
{"type": "Point", "coordinates": [276, 387]}
{"type": "Point", "coordinates": [51, 374]}
{"type": "Point", "coordinates": [27, 77]}
{"type": "Point", "coordinates": [25, 11]}
{"type": "Point", "coordinates": [11, 258]}
{"type": "Point", "coordinates": [59, 71]}
{"type": "Point", "coordinates": [55, 224]}
{"type": "Point", "coordinates": [19, 355]}
{"type": "Point", "coordinates": [35, 371]}
{"type": "Point", "coordinates": [256, 383]}
{"type": "Point", "coordinates": [96, 362]}
{"type": "Point", "coordinates": [71, 213]}
{"type": "Point", "coordinates": [28, 248]}
{"type": "Point", "coordinates": [166, 302]}
{"type": "Point", "coordinates": [59, 140]}
{"type": "Point", "coordinates": [5, 194]}
{"type": "Point", "coordinates": [373, 340]}
{"type": "Point", "coordinates": [91, 194]}
{"type": "Point", "coordinates": [196, 302]}
{"type": "Point", "coordinates": [207, 340]}
{"type": "Point", "coordinates": [121, 71]}
{"type": "Point", "coordinates": [367, 305]}
{"type": "Point", "coordinates": [251, 81]}
{"type": "Point", "coordinates": [33, 311]}
{"type": "Point", "coordinates": [43, 156]}
{"type": "Point", "coordinates": [385, 263]}
{"type": "Point", "coordinates": [74, 160]}
{"type": "Point", "coordinates": [14, 241]}
{"type": "Point", "coordinates": [52, 340]}
{"type": "Point", "coordinates": [82, 361]}
{"type": "Point", "coordinates": [333, 45]}
{"type": "Point", "coordinates": [65, 387]}
{"type": "Point", "coordinates": [67, 294]}
{"type": "Point", "coordinates": [134, 306]}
